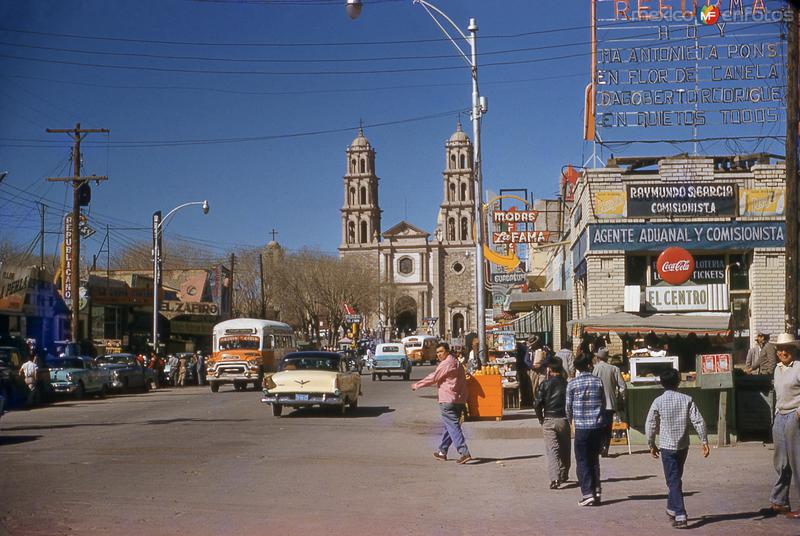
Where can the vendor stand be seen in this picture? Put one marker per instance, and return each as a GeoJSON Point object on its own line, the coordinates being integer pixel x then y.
{"type": "Point", "coordinates": [699, 341]}
{"type": "Point", "coordinates": [494, 386]}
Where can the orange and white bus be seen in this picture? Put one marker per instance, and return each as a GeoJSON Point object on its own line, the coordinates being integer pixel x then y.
{"type": "Point", "coordinates": [244, 349]}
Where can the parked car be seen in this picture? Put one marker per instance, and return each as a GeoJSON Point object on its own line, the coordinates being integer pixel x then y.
{"type": "Point", "coordinates": [127, 373]}
{"type": "Point", "coordinates": [170, 376]}
{"type": "Point", "coordinates": [12, 384]}
{"type": "Point", "coordinates": [391, 360]}
{"type": "Point", "coordinates": [78, 376]}
{"type": "Point", "coordinates": [307, 379]}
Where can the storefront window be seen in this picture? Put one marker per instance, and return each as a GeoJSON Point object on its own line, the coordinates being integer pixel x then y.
{"type": "Point", "coordinates": [740, 269]}
{"type": "Point", "coordinates": [635, 270]}
{"type": "Point", "coordinates": [740, 324]}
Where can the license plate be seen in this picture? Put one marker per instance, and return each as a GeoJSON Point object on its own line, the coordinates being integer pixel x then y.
{"type": "Point", "coordinates": [301, 397]}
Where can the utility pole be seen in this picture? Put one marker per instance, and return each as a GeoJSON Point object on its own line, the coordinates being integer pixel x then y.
{"type": "Point", "coordinates": [792, 266]}
{"type": "Point", "coordinates": [261, 279]}
{"type": "Point", "coordinates": [42, 208]}
{"type": "Point", "coordinates": [73, 295]}
{"type": "Point", "coordinates": [233, 263]}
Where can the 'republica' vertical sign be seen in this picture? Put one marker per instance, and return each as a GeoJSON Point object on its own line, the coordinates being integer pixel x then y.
{"type": "Point", "coordinates": [66, 259]}
{"type": "Point", "coordinates": [686, 70]}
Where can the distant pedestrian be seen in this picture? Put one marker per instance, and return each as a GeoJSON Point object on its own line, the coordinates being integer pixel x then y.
{"type": "Point", "coordinates": [567, 358]}
{"type": "Point", "coordinates": [585, 407]}
{"type": "Point", "coordinates": [201, 368]}
{"type": "Point", "coordinates": [526, 392]}
{"type": "Point", "coordinates": [761, 358]}
{"type": "Point", "coordinates": [451, 379]}
{"type": "Point", "coordinates": [614, 388]}
{"type": "Point", "coordinates": [785, 429]}
{"type": "Point", "coordinates": [182, 365]}
{"type": "Point", "coordinates": [669, 417]}
{"type": "Point", "coordinates": [173, 365]}
{"type": "Point", "coordinates": [29, 371]}
{"type": "Point", "coordinates": [550, 405]}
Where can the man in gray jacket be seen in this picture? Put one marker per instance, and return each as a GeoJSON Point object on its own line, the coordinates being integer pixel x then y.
{"type": "Point", "coordinates": [614, 388]}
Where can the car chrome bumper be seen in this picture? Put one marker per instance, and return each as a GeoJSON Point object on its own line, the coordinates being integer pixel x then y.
{"type": "Point", "coordinates": [389, 371]}
{"type": "Point", "coordinates": [313, 400]}
{"type": "Point", "coordinates": [229, 378]}
{"type": "Point", "coordinates": [64, 387]}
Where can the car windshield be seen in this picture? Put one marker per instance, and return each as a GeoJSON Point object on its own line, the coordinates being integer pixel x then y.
{"type": "Point", "coordinates": [390, 349]}
{"type": "Point", "coordinates": [5, 356]}
{"type": "Point", "coordinates": [121, 359]}
{"type": "Point", "coordinates": [413, 344]}
{"type": "Point", "coordinates": [310, 363]}
{"type": "Point", "coordinates": [239, 343]}
{"type": "Point", "coordinates": [65, 363]}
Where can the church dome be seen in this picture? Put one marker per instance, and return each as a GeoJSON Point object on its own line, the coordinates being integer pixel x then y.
{"type": "Point", "coordinates": [459, 135]}
{"type": "Point", "coordinates": [360, 142]}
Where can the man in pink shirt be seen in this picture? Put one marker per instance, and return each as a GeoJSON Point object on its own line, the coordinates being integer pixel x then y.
{"type": "Point", "coordinates": [451, 379]}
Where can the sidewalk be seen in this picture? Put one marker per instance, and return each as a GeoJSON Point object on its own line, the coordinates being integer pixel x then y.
{"type": "Point", "coordinates": [723, 492]}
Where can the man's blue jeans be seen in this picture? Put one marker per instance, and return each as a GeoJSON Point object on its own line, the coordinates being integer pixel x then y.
{"type": "Point", "coordinates": [588, 443]}
{"type": "Point", "coordinates": [452, 434]}
{"type": "Point", "coordinates": [673, 462]}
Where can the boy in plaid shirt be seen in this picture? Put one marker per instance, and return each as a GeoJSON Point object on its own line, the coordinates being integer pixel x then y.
{"type": "Point", "coordinates": [670, 414]}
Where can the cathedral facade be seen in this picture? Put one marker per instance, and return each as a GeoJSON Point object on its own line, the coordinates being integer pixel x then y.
{"type": "Point", "coordinates": [427, 282]}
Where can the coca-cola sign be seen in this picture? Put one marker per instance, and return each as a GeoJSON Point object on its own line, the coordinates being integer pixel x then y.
{"type": "Point", "coordinates": [675, 265]}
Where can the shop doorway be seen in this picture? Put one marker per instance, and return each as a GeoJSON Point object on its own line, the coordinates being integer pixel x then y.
{"type": "Point", "coordinates": [406, 316]}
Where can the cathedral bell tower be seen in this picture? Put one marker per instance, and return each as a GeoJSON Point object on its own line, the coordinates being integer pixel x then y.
{"type": "Point", "coordinates": [361, 213]}
{"type": "Point", "coordinates": [456, 213]}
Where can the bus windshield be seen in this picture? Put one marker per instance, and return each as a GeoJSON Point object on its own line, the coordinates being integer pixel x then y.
{"type": "Point", "coordinates": [240, 342]}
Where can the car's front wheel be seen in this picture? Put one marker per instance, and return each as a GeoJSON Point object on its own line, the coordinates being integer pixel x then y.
{"type": "Point", "coordinates": [277, 409]}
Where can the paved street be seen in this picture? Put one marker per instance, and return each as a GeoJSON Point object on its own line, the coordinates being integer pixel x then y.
{"type": "Point", "coordinates": [185, 461]}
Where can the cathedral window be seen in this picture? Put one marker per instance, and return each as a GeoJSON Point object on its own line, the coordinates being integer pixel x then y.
{"type": "Point", "coordinates": [451, 193]}
{"type": "Point", "coordinates": [363, 165]}
{"type": "Point", "coordinates": [457, 267]}
{"type": "Point", "coordinates": [353, 165]}
{"type": "Point", "coordinates": [351, 233]}
{"type": "Point", "coordinates": [452, 161]}
{"type": "Point", "coordinates": [352, 199]}
{"type": "Point", "coordinates": [463, 161]}
{"type": "Point", "coordinates": [405, 266]}
{"type": "Point", "coordinates": [364, 234]}
{"type": "Point", "coordinates": [464, 228]}
{"type": "Point", "coordinates": [463, 191]}
{"type": "Point", "coordinates": [451, 229]}
{"type": "Point", "coordinates": [363, 195]}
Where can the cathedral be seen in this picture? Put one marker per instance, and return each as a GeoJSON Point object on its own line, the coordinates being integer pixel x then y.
{"type": "Point", "coordinates": [427, 282]}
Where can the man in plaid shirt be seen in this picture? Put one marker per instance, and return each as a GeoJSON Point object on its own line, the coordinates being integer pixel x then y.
{"type": "Point", "coordinates": [670, 414]}
{"type": "Point", "coordinates": [585, 407]}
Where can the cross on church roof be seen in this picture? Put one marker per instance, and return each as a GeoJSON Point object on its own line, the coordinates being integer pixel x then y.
{"type": "Point", "coordinates": [273, 233]}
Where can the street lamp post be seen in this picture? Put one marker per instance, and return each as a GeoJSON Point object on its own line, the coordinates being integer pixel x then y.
{"type": "Point", "coordinates": [158, 227]}
{"type": "Point", "coordinates": [479, 107]}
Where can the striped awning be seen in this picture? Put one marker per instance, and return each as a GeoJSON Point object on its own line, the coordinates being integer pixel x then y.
{"type": "Point", "coordinates": [716, 324]}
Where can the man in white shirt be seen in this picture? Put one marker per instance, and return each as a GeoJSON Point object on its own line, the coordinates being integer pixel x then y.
{"type": "Point", "coordinates": [29, 370]}
{"type": "Point", "coordinates": [785, 429]}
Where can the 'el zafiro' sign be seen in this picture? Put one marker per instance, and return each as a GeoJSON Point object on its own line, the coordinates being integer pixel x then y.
{"type": "Point", "coordinates": [689, 69]}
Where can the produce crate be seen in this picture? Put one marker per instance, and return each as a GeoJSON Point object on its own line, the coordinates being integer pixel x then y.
{"type": "Point", "coordinates": [485, 397]}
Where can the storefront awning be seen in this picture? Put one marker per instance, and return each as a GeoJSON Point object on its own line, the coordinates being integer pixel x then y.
{"type": "Point", "coordinates": [524, 301]}
{"type": "Point", "coordinates": [660, 323]}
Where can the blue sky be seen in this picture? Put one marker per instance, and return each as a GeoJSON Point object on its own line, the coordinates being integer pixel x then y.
{"type": "Point", "coordinates": [144, 74]}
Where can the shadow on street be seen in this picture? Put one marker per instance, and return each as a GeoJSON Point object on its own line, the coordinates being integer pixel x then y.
{"type": "Point", "coordinates": [716, 518]}
{"type": "Point", "coordinates": [359, 412]}
{"type": "Point", "coordinates": [15, 440]}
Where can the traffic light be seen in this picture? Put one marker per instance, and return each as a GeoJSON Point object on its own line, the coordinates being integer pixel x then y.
{"type": "Point", "coordinates": [84, 194]}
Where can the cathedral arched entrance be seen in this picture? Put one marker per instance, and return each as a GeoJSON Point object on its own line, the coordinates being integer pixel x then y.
{"type": "Point", "coordinates": [406, 316]}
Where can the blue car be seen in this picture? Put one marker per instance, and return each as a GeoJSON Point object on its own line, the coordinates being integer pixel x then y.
{"type": "Point", "coordinates": [78, 376]}
{"type": "Point", "coordinates": [391, 360]}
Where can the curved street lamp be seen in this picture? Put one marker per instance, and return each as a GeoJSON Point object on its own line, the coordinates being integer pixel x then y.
{"type": "Point", "coordinates": [159, 224]}
{"type": "Point", "coordinates": [479, 108]}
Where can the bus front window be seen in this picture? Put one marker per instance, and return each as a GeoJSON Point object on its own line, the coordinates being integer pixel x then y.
{"type": "Point", "coordinates": [239, 343]}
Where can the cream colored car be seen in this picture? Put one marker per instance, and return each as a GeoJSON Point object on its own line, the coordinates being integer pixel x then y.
{"type": "Point", "coordinates": [307, 379]}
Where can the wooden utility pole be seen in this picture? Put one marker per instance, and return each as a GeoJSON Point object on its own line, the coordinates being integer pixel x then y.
{"type": "Point", "coordinates": [792, 266]}
{"type": "Point", "coordinates": [77, 134]}
{"type": "Point", "coordinates": [42, 208]}
{"type": "Point", "coordinates": [233, 263]}
{"type": "Point", "coordinates": [261, 283]}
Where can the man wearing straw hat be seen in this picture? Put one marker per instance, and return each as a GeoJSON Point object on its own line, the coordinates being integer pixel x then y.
{"type": "Point", "coordinates": [786, 427]}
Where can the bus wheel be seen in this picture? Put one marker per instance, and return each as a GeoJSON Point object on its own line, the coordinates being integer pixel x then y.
{"type": "Point", "coordinates": [214, 387]}
{"type": "Point", "coordinates": [277, 409]}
